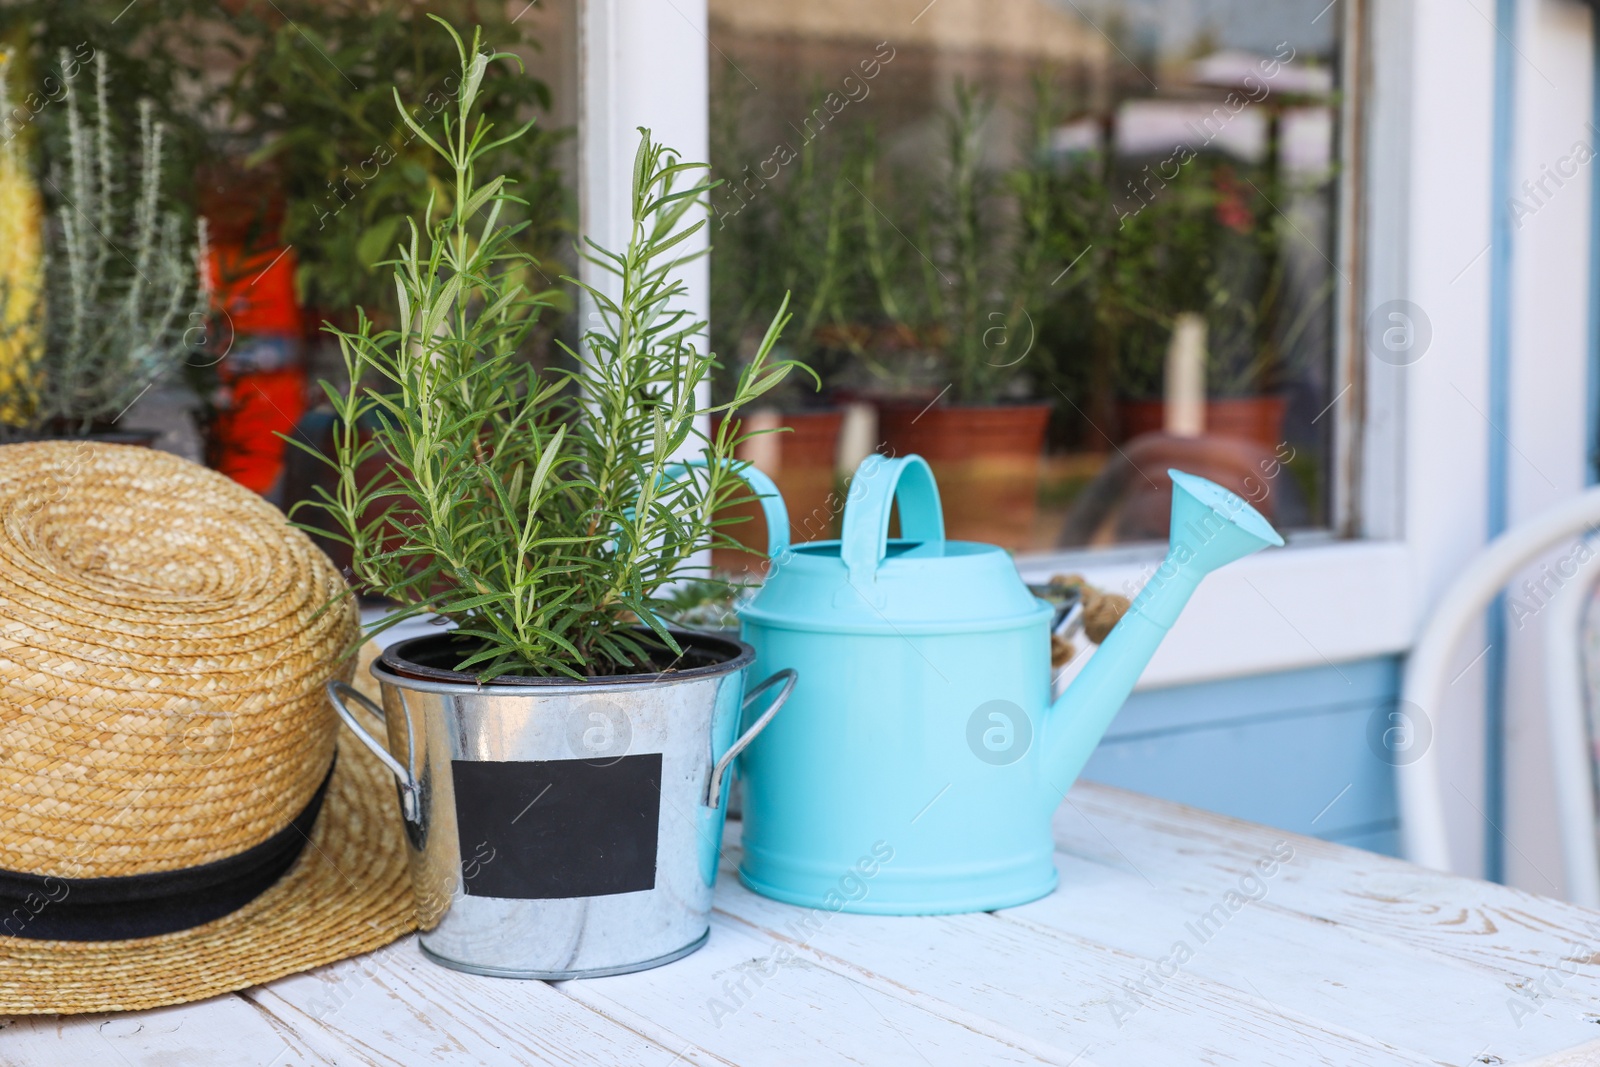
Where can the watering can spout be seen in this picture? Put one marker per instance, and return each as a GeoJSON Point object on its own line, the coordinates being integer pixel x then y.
{"type": "Point", "coordinates": [1211, 527]}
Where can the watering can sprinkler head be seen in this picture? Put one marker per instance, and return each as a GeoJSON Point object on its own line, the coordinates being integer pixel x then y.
{"type": "Point", "coordinates": [1211, 527]}
{"type": "Point", "coordinates": [1215, 526]}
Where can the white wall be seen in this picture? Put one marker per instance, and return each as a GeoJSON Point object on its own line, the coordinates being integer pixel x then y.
{"type": "Point", "coordinates": [1448, 86]}
{"type": "Point", "coordinates": [1549, 367]}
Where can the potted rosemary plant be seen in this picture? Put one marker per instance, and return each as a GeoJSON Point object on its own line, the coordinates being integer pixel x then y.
{"type": "Point", "coordinates": [562, 753]}
{"type": "Point", "coordinates": [103, 298]}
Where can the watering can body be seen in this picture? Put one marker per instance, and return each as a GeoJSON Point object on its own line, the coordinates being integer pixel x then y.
{"type": "Point", "coordinates": [917, 768]}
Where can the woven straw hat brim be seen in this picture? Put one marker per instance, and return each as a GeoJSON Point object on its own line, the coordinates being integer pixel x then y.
{"type": "Point", "coordinates": [164, 640]}
{"type": "Point", "coordinates": [348, 893]}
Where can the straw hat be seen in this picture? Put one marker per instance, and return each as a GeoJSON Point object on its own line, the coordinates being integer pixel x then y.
{"type": "Point", "coordinates": [174, 821]}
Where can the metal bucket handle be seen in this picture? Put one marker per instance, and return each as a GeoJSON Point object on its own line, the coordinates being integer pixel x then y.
{"type": "Point", "coordinates": [410, 791]}
{"type": "Point", "coordinates": [788, 677]}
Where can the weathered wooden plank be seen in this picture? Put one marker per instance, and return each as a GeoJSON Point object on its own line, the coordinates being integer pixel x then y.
{"type": "Point", "coordinates": [1445, 1009]}
{"type": "Point", "coordinates": [743, 1000]}
{"type": "Point", "coordinates": [1519, 935]}
{"type": "Point", "coordinates": [222, 1030]}
{"type": "Point", "coordinates": [1060, 991]}
{"type": "Point", "coordinates": [1587, 1056]}
{"type": "Point", "coordinates": [394, 1007]}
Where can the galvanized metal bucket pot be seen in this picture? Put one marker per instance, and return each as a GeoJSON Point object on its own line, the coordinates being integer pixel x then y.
{"type": "Point", "coordinates": [563, 829]}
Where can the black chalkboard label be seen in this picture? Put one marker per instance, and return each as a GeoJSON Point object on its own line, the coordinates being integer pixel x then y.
{"type": "Point", "coordinates": [546, 829]}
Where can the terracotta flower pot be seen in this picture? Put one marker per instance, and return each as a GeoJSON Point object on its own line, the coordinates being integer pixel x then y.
{"type": "Point", "coordinates": [986, 457]}
{"type": "Point", "coordinates": [1257, 419]}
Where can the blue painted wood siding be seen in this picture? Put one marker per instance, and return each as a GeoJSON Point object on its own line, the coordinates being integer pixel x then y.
{"type": "Point", "coordinates": [1289, 749]}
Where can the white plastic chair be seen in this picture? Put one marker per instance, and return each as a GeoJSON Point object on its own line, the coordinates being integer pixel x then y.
{"type": "Point", "coordinates": [1570, 707]}
{"type": "Point", "coordinates": [1422, 822]}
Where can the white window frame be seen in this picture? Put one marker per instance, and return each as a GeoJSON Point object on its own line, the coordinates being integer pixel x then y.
{"type": "Point", "coordinates": [1409, 509]}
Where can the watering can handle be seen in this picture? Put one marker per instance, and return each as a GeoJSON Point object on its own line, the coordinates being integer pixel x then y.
{"type": "Point", "coordinates": [409, 790]}
{"type": "Point", "coordinates": [878, 483]}
{"type": "Point", "coordinates": [766, 491]}
{"type": "Point", "coordinates": [787, 677]}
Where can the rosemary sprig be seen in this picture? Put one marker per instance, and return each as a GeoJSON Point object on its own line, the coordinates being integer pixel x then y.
{"type": "Point", "coordinates": [542, 511]}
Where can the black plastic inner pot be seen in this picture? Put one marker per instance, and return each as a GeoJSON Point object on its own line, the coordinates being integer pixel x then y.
{"type": "Point", "coordinates": [434, 658]}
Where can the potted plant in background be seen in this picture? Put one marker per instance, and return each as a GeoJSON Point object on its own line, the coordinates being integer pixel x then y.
{"type": "Point", "coordinates": [1215, 248]}
{"type": "Point", "coordinates": [986, 268]}
{"type": "Point", "coordinates": [1157, 289]}
{"type": "Point", "coordinates": [562, 753]}
{"type": "Point", "coordinates": [310, 107]}
{"type": "Point", "coordinates": [117, 303]}
{"type": "Point", "coordinates": [1208, 286]}
{"type": "Point", "coordinates": [790, 234]}
{"type": "Point", "coordinates": [1193, 308]}
{"type": "Point", "coordinates": [318, 176]}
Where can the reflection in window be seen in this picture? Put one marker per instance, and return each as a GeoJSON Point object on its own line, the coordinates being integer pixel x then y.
{"type": "Point", "coordinates": [1053, 247]}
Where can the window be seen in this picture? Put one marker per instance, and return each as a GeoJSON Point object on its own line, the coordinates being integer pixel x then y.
{"type": "Point", "coordinates": [1055, 247]}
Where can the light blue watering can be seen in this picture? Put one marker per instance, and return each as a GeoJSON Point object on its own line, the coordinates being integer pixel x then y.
{"type": "Point", "coordinates": [918, 764]}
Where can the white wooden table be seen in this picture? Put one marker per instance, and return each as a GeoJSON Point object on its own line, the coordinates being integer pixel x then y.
{"type": "Point", "coordinates": [1336, 957]}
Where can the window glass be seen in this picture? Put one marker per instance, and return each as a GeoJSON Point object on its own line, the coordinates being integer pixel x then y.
{"type": "Point", "coordinates": [1053, 246]}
